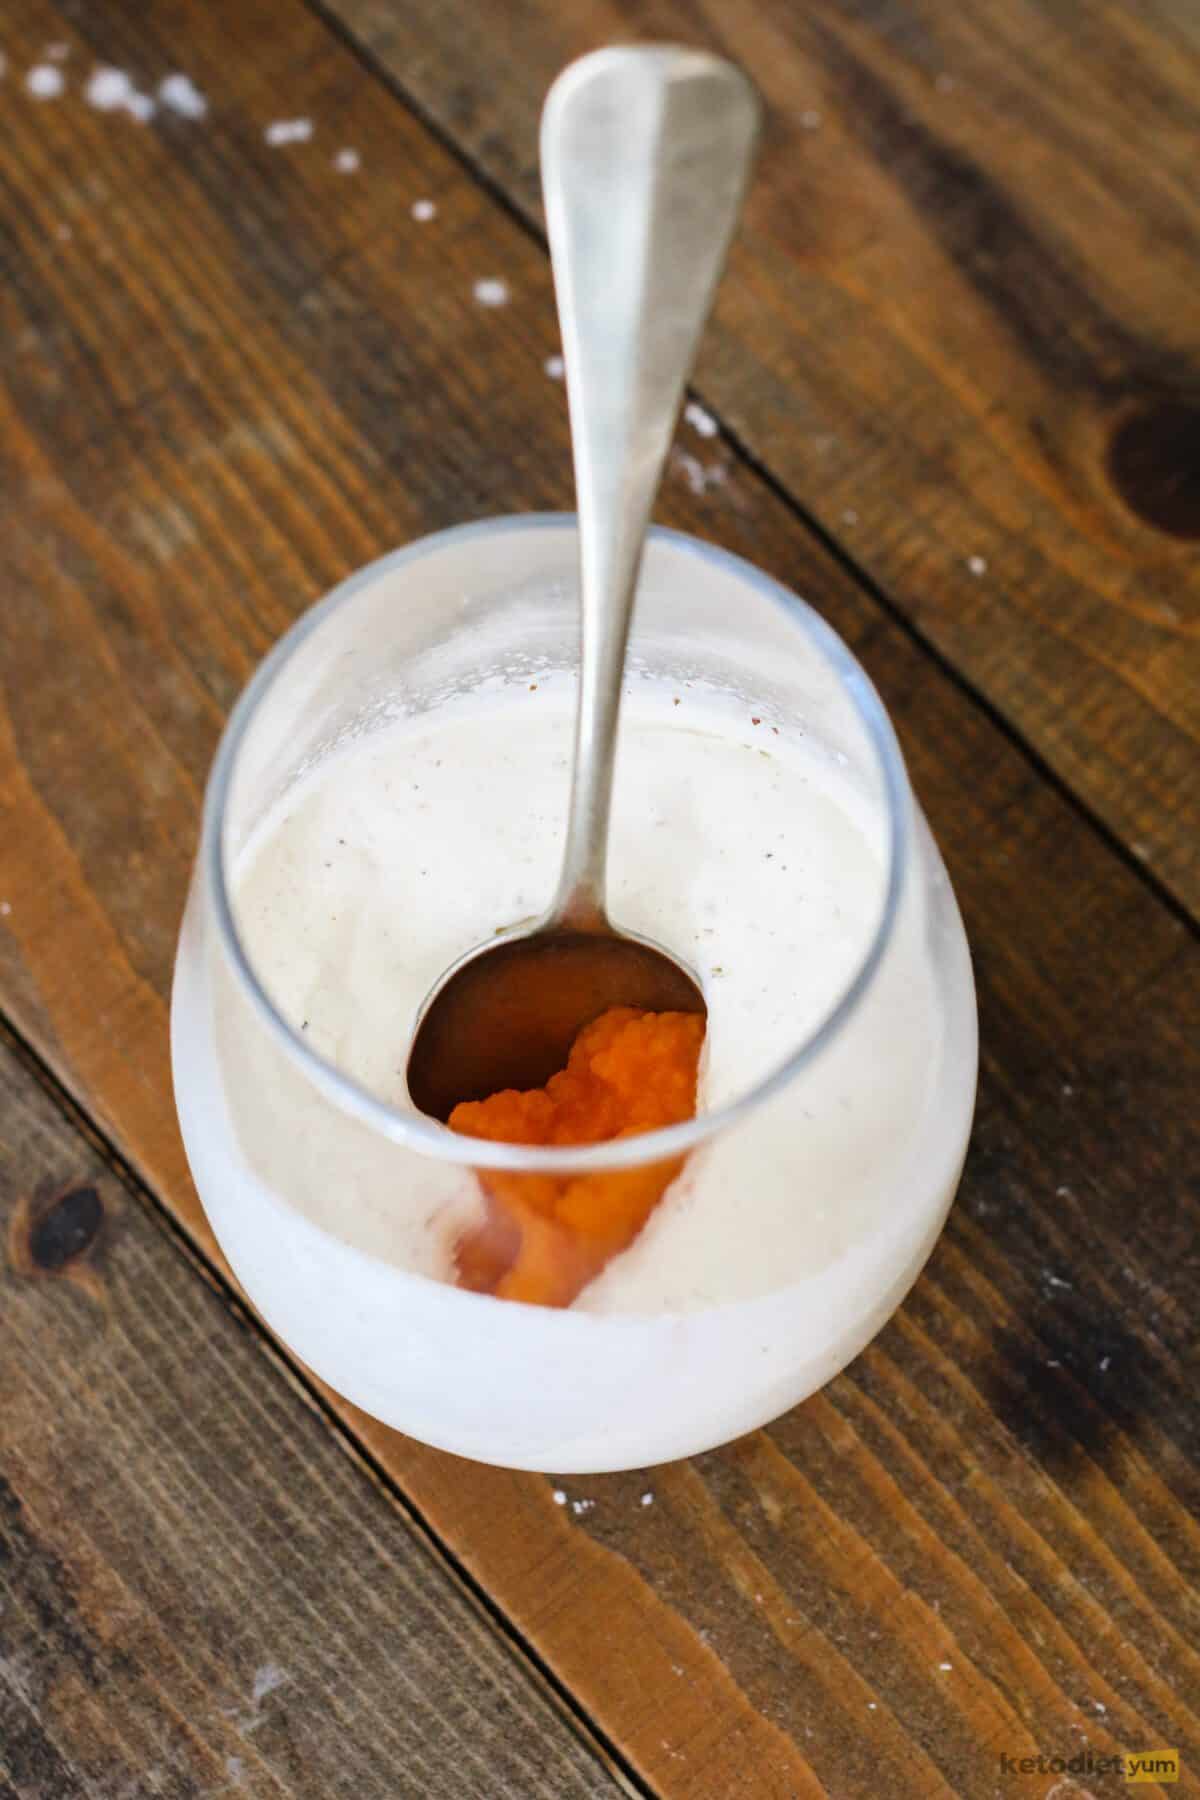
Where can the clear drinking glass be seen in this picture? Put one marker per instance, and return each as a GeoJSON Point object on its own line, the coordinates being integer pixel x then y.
{"type": "Point", "coordinates": [322, 1242]}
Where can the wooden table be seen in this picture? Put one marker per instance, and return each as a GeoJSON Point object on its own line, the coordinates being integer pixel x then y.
{"type": "Point", "coordinates": [956, 367]}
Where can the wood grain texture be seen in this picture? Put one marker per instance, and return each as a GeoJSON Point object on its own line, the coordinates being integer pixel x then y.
{"type": "Point", "coordinates": [245, 373]}
{"type": "Point", "coordinates": [960, 328]}
{"type": "Point", "coordinates": [199, 1594]}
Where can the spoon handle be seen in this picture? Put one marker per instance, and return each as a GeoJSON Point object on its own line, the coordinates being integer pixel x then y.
{"type": "Point", "coordinates": [645, 155]}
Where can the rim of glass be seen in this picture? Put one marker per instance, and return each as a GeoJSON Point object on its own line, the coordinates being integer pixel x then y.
{"type": "Point", "coordinates": [414, 1130]}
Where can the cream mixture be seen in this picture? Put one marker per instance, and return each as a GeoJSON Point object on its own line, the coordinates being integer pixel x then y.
{"type": "Point", "coordinates": [749, 854]}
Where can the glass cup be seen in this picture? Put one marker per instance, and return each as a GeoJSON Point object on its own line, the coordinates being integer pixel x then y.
{"type": "Point", "coordinates": [319, 1187]}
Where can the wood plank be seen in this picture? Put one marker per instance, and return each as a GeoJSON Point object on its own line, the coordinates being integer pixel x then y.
{"type": "Point", "coordinates": [960, 325]}
{"type": "Point", "coordinates": [277, 374]}
{"type": "Point", "coordinates": [199, 1594]}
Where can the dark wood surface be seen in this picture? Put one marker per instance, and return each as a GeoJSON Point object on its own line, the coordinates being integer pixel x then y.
{"type": "Point", "coordinates": [199, 1592]}
{"type": "Point", "coordinates": [241, 374]}
{"type": "Point", "coordinates": [960, 324]}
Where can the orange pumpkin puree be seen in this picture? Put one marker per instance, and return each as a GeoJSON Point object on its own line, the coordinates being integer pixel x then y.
{"type": "Point", "coordinates": [544, 1237]}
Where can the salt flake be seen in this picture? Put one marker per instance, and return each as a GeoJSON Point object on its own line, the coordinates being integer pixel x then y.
{"type": "Point", "coordinates": [698, 477]}
{"type": "Point", "coordinates": [266, 1679]}
{"type": "Point", "coordinates": [491, 292]}
{"type": "Point", "coordinates": [700, 420]}
{"type": "Point", "coordinates": [554, 367]}
{"type": "Point", "coordinates": [347, 161]}
{"type": "Point", "coordinates": [560, 1499]}
{"type": "Point", "coordinates": [288, 131]}
{"type": "Point", "coordinates": [179, 94]}
{"type": "Point", "coordinates": [423, 211]}
{"type": "Point", "coordinates": [111, 90]}
{"type": "Point", "coordinates": [45, 82]}
{"type": "Point", "coordinates": [977, 565]}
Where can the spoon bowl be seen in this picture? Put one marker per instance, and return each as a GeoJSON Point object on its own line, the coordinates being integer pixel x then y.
{"type": "Point", "coordinates": [507, 1014]}
{"type": "Point", "coordinates": [645, 156]}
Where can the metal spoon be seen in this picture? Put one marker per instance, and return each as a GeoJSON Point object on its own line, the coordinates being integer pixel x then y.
{"type": "Point", "coordinates": [645, 155]}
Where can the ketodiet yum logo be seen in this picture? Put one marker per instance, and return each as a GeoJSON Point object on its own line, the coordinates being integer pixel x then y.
{"type": "Point", "coordinates": [1134, 1765]}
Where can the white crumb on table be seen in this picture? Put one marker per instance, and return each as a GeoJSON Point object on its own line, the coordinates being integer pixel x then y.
{"type": "Point", "coordinates": [288, 131]}
{"type": "Point", "coordinates": [977, 565]}
{"type": "Point", "coordinates": [5, 908]}
{"type": "Point", "coordinates": [491, 291]}
{"type": "Point", "coordinates": [700, 420]}
{"type": "Point", "coordinates": [647, 1498]}
{"type": "Point", "coordinates": [692, 470]}
{"type": "Point", "coordinates": [555, 367]}
{"type": "Point", "coordinates": [179, 94]}
{"type": "Point", "coordinates": [559, 1498]}
{"type": "Point", "coordinates": [423, 211]}
{"type": "Point", "coordinates": [698, 476]}
{"type": "Point", "coordinates": [266, 1679]}
{"type": "Point", "coordinates": [107, 89]}
{"type": "Point", "coordinates": [347, 161]}
{"type": "Point", "coordinates": [849, 516]}
{"type": "Point", "coordinates": [112, 90]}
{"type": "Point", "coordinates": [45, 82]}
{"type": "Point", "coordinates": [582, 1506]}
{"type": "Point", "coordinates": [945, 1665]}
